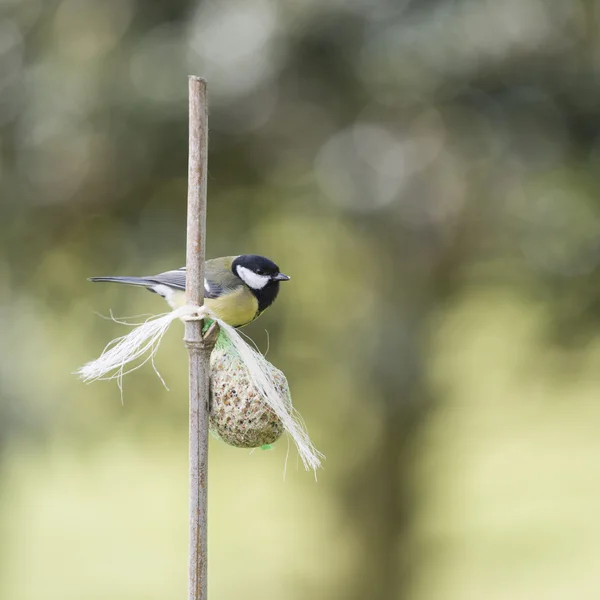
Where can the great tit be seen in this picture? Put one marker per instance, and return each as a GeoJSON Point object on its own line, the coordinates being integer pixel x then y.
{"type": "Point", "coordinates": [236, 288]}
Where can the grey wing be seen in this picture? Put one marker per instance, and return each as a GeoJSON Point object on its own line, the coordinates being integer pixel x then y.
{"type": "Point", "coordinates": [176, 279]}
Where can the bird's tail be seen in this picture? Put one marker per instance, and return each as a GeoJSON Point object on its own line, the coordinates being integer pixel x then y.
{"type": "Point", "coordinates": [143, 281]}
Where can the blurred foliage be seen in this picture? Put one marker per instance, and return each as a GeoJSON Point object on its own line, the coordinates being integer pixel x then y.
{"type": "Point", "coordinates": [427, 173]}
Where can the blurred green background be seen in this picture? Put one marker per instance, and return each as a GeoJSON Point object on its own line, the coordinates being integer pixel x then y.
{"type": "Point", "coordinates": [428, 172]}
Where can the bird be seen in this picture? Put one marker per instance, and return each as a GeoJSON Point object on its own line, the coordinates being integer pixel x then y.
{"type": "Point", "coordinates": [238, 289]}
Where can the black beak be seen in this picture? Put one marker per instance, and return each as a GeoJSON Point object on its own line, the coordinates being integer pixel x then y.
{"type": "Point", "coordinates": [280, 277]}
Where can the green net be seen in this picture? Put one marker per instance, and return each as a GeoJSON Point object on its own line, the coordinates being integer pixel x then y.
{"type": "Point", "coordinates": [239, 414]}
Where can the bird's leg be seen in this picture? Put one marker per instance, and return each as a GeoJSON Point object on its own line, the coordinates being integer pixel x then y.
{"type": "Point", "coordinates": [211, 334]}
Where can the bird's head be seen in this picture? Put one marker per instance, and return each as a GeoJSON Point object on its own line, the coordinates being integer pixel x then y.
{"type": "Point", "coordinates": [257, 272]}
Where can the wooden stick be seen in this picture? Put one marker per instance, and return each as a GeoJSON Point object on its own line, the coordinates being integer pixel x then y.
{"type": "Point", "coordinates": [199, 347]}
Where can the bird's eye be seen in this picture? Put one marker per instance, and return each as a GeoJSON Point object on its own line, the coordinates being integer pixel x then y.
{"type": "Point", "coordinates": [260, 271]}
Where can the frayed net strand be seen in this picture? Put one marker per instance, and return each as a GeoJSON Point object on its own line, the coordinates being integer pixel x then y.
{"type": "Point", "coordinates": [143, 343]}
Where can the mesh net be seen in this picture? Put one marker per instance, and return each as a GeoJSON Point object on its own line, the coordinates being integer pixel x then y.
{"type": "Point", "coordinates": [239, 414]}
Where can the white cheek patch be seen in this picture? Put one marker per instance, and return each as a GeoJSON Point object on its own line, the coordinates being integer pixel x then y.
{"type": "Point", "coordinates": [251, 279]}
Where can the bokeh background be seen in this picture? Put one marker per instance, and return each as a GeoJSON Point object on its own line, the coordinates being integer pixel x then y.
{"type": "Point", "coordinates": [428, 172]}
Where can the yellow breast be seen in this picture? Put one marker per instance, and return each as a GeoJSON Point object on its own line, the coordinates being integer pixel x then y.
{"type": "Point", "coordinates": [236, 309]}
